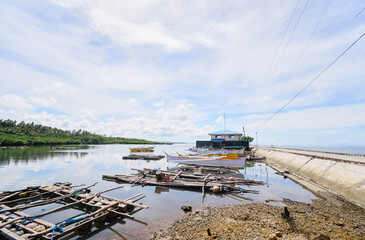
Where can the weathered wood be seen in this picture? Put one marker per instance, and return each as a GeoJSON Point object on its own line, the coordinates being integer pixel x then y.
{"type": "Point", "coordinates": [137, 195]}
{"type": "Point", "coordinates": [14, 194]}
{"type": "Point", "coordinates": [177, 183]}
{"type": "Point", "coordinates": [63, 191]}
{"type": "Point", "coordinates": [204, 182]}
{"type": "Point", "coordinates": [177, 175]}
{"type": "Point", "coordinates": [21, 216]}
{"type": "Point", "coordinates": [136, 181]}
{"type": "Point", "coordinates": [9, 234]}
{"type": "Point", "coordinates": [75, 227]}
{"type": "Point", "coordinates": [129, 202]}
{"type": "Point", "coordinates": [143, 157]}
{"type": "Point", "coordinates": [25, 198]}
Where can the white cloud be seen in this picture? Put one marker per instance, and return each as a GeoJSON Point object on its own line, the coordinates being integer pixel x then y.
{"type": "Point", "coordinates": [159, 103]}
{"type": "Point", "coordinates": [43, 102]}
{"type": "Point", "coordinates": [13, 102]}
{"type": "Point", "coordinates": [219, 119]}
{"type": "Point", "coordinates": [99, 65]}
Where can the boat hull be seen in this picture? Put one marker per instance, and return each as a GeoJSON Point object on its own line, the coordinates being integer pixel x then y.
{"type": "Point", "coordinates": [239, 163]}
{"type": "Point", "coordinates": [146, 149]}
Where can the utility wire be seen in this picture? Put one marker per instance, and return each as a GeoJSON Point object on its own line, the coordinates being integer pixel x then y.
{"type": "Point", "coordinates": [287, 42]}
{"type": "Point", "coordinates": [312, 80]}
{"type": "Point", "coordinates": [360, 12]}
{"type": "Point", "coordinates": [307, 43]}
{"type": "Point", "coordinates": [281, 40]}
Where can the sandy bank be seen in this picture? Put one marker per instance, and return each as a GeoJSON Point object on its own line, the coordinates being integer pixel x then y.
{"type": "Point", "coordinates": [321, 219]}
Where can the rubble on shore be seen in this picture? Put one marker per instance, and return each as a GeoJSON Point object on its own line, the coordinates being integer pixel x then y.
{"type": "Point", "coordinates": [321, 219]}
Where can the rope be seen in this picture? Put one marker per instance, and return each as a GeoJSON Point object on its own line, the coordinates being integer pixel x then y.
{"type": "Point", "coordinates": [77, 192]}
{"type": "Point", "coordinates": [56, 228]}
{"type": "Point", "coordinates": [26, 221]}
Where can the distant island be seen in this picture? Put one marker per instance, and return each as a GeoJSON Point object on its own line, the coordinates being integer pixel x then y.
{"type": "Point", "coordinates": [21, 134]}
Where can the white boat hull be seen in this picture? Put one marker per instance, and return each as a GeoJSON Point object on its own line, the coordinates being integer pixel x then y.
{"type": "Point", "coordinates": [211, 162]}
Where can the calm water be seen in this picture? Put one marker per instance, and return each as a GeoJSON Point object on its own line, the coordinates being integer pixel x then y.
{"type": "Point", "coordinates": [86, 165]}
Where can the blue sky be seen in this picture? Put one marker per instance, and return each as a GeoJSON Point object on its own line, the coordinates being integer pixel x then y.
{"type": "Point", "coordinates": [169, 70]}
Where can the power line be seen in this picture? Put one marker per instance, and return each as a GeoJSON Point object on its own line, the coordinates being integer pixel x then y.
{"type": "Point", "coordinates": [281, 40]}
{"type": "Point", "coordinates": [307, 43]}
{"type": "Point", "coordinates": [287, 42]}
{"type": "Point", "coordinates": [312, 80]}
{"type": "Point", "coordinates": [360, 12]}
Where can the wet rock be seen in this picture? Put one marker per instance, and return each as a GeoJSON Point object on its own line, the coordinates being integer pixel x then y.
{"type": "Point", "coordinates": [186, 208]}
{"type": "Point", "coordinates": [278, 234]}
{"type": "Point", "coordinates": [285, 213]}
{"type": "Point", "coordinates": [322, 237]}
{"type": "Point", "coordinates": [39, 228]}
{"type": "Point", "coordinates": [31, 225]}
{"type": "Point", "coordinates": [258, 220]}
{"type": "Point", "coordinates": [272, 236]}
{"type": "Point", "coordinates": [209, 232]}
{"type": "Point", "coordinates": [339, 224]}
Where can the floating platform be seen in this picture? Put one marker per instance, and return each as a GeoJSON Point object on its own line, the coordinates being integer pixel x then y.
{"type": "Point", "coordinates": [218, 180]}
{"type": "Point", "coordinates": [143, 157]}
{"type": "Point", "coordinates": [97, 208]}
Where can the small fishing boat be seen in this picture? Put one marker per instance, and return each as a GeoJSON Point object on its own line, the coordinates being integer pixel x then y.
{"type": "Point", "coordinates": [143, 149]}
{"type": "Point", "coordinates": [213, 161]}
{"type": "Point", "coordinates": [95, 208]}
{"type": "Point", "coordinates": [225, 156]}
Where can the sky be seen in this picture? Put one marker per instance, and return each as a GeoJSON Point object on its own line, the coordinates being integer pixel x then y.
{"type": "Point", "coordinates": [171, 70]}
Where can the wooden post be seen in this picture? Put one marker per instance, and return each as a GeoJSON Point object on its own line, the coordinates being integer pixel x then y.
{"type": "Point", "coordinates": [177, 175]}
{"type": "Point", "coordinates": [204, 182]}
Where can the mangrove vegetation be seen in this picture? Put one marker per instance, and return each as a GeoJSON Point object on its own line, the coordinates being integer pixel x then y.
{"type": "Point", "coordinates": [21, 134]}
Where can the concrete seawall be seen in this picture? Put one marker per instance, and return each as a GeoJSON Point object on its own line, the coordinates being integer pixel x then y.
{"type": "Point", "coordinates": [340, 174]}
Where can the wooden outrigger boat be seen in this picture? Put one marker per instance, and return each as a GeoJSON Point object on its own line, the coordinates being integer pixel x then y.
{"type": "Point", "coordinates": [15, 224]}
{"type": "Point", "coordinates": [212, 161]}
{"type": "Point", "coordinates": [213, 181]}
{"type": "Point", "coordinates": [143, 149]}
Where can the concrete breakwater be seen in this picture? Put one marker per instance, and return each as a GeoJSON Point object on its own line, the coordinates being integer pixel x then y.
{"type": "Point", "coordinates": [340, 174]}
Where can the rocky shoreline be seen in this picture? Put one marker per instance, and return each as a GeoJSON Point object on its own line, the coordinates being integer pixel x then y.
{"type": "Point", "coordinates": [322, 219]}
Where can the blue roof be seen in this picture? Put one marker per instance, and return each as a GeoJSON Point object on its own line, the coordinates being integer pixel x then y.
{"type": "Point", "coordinates": [225, 132]}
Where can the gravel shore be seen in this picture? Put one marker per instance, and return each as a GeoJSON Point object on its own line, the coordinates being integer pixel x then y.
{"type": "Point", "coordinates": [322, 219]}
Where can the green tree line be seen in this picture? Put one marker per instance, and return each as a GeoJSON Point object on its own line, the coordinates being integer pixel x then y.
{"type": "Point", "coordinates": [19, 134]}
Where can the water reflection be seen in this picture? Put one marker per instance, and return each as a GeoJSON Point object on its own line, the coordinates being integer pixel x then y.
{"type": "Point", "coordinates": [85, 164]}
{"type": "Point", "coordinates": [28, 155]}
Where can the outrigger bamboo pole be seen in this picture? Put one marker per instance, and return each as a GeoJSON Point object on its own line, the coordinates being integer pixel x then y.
{"type": "Point", "coordinates": [79, 201]}
{"type": "Point", "coordinates": [177, 175]}
{"type": "Point", "coordinates": [78, 226]}
{"type": "Point", "coordinates": [25, 198]}
{"type": "Point", "coordinates": [126, 202]}
{"type": "Point", "coordinates": [14, 194]}
{"type": "Point", "coordinates": [48, 201]}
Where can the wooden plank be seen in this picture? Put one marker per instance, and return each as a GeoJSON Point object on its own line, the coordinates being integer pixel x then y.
{"type": "Point", "coordinates": [177, 175]}
{"type": "Point", "coordinates": [9, 234]}
{"type": "Point", "coordinates": [126, 202]}
{"type": "Point", "coordinates": [75, 227]}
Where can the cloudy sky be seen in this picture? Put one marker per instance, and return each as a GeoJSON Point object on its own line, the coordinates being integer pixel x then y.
{"type": "Point", "coordinates": [169, 70]}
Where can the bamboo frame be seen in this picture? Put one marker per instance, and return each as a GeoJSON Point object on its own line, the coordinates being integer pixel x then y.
{"type": "Point", "coordinates": [117, 208]}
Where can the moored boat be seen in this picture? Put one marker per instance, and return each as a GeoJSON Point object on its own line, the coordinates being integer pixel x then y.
{"type": "Point", "coordinates": [213, 161]}
{"type": "Point", "coordinates": [143, 149]}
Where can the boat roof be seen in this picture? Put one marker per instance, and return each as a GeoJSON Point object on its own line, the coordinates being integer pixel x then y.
{"type": "Point", "coordinates": [225, 132]}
